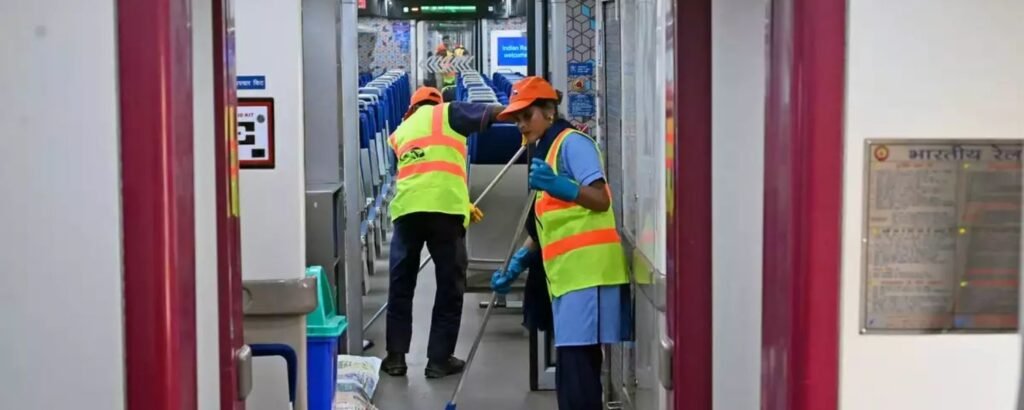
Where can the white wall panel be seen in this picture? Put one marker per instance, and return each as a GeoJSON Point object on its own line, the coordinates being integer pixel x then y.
{"type": "Point", "coordinates": [926, 69]}
{"type": "Point", "coordinates": [61, 332]}
{"type": "Point", "coordinates": [738, 95]}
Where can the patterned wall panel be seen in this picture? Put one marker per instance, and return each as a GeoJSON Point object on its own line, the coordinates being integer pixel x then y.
{"type": "Point", "coordinates": [387, 47]}
{"type": "Point", "coordinates": [367, 42]}
{"type": "Point", "coordinates": [580, 24]}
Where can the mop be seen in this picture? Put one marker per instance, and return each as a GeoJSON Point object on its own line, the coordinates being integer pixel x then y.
{"type": "Point", "coordinates": [487, 189]}
{"type": "Point", "coordinates": [490, 306]}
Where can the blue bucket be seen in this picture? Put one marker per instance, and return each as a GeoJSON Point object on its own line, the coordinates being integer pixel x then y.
{"type": "Point", "coordinates": [322, 371]}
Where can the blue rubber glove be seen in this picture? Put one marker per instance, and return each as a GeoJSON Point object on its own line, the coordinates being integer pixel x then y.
{"type": "Point", "coordinates": [501, 282]}
{"type": "Point", "coordinates": [542, 177]}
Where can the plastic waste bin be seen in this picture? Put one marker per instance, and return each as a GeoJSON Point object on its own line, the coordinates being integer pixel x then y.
{"type": "Point", "coordinates": [323, 329]}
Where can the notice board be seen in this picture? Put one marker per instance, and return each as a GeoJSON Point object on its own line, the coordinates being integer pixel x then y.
{"type": "Point", "coordinates": [941, 239]}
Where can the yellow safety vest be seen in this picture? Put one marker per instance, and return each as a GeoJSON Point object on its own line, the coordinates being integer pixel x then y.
{"type": "Point", "coordinates": [581, 248]}
{"type": "Point", "coordinates": [431, 165]}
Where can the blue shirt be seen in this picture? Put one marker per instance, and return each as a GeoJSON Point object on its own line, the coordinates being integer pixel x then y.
{"type": "Point", "coordinates": [592, 315]}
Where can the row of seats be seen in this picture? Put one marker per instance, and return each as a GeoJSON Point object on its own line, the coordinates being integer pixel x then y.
{"type": "Point", "coordinates": [382, 103]}
{"type": "Point", "coordinates": [499, 143]}
{"type": "Point", "coordinates": [474, 87]}
{"type": "Point", "coordinates": [503, 82]}
{"type": "Point", "coordinates": [365, 78]}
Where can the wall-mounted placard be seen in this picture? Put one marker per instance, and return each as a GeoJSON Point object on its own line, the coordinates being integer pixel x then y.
{"type": "Point", "coordinates": [941, 238]}
{"type": "Point", "coordinates": [581, 105]}
{"type": "Point", "coordinates": [256, 133]}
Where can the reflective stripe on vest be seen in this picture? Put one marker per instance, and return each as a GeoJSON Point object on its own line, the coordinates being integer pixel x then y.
{"type": "Point", "coordinates": [431, 165]}
{"type": "Point", "coordinates": [436, 138]}
{"type": "Point", "coordinates": [581, 248]}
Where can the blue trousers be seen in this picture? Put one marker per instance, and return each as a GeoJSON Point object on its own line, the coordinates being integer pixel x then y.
{"type": "Point", "coordinates": [445, 238]}
{"type": "Point", "coordinates": [578, 378]}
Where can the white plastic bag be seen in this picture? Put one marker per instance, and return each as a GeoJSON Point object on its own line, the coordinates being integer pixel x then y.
{"type": "Point", "coordinates": [357, 381]}
{"type": "Point", "coordinates": [352, 401]}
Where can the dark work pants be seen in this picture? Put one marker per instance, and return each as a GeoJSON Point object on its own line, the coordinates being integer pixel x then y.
{"type": "Point", "coordinates": [578, 378]}
{"type": "Point", "coordinates": [444, 236]}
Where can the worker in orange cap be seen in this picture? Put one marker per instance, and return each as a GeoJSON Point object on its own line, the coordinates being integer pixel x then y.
{"type": "Point", "coordinates": [431, 207]}
{"type": "Point", "coordinates": [573, 243]}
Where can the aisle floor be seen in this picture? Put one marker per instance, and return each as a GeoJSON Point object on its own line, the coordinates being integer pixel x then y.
{"type": "Point", "coordinates": [499, 378]}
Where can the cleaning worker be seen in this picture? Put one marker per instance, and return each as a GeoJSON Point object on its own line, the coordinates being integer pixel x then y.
{"type": "Point", "coordinates": [572, 233]}
{"type": "Point", "coordinates": [431, 207]}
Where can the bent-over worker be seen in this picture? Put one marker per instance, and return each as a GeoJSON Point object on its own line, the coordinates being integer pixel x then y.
{"type": "Point", "coordinates": [431, 207]}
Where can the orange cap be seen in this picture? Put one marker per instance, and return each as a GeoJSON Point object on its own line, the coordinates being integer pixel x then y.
{"type": "Point", "coordinates": [525, 92]}
{"type": "Point", "coordinates": [424, 94]}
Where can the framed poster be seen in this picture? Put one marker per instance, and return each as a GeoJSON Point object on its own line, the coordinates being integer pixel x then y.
{"type": "Point", "coordinates": [942, 235]}
{"type": "Point", "coordinates": [256, 133]}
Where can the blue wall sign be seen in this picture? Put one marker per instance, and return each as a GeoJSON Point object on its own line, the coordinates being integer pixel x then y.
{"type": "Point", "coordinates": [581, 69]}
{"type": "Point", "coordinates": [512, 51]}
{"type": "Point", "coordinates": [251, 82]}
{"type": "Point", "coordinates": [581, 105]}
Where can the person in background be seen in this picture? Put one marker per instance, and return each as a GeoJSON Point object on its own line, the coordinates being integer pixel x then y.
{"type": "Point", "coordinates": [573, 235]}
{"type": "Point", "coordinates": [430, 80]}
{"type": "Point", "coordinates": [445, 40]}
{"type": "Point", "coordinates": [445, 77]}
{"type": "Point", "coordinates": [431, 207]}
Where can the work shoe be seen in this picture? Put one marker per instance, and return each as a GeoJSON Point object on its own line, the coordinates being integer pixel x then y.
{"type": "Point", "coordinates": [441, 368]}
{"type": "Point", "coordinates": [394, 364]}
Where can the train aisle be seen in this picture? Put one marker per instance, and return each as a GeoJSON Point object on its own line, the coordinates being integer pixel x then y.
{"type": "Point", "coordinates": [499, 378]}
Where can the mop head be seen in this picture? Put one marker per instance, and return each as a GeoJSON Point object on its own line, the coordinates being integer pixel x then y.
{"type": "Point", "coordinates": [449, 406]}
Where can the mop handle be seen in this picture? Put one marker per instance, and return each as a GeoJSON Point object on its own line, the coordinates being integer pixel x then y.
{"type": "Point", "coordinates": [487, 189]}
{"type": "Point", "coordinates": [494, 298]}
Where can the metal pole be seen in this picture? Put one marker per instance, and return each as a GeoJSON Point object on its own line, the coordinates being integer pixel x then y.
{"type": "Point", "coordinates": [352, 193]}
{"type": "Point", "coordinates": [487, 189]}
{"type": "Point", "coordinates": [494, 298]}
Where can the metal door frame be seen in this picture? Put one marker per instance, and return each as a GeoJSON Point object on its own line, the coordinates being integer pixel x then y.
{"type": "Point", "coordinates": [157, 194]}
{"type": "Point", "coordinates": [617, 395]}
{"type": "Point", "coordinates": [802, 266]}
{"type": "Point", "coordinates": [688, 158]}
{"type": "Point", "coordinates": [542, 361]}
{"type": "Point", "coordinates": [542, 351]}
{"type": "Point", "coordinates": [229, 251]}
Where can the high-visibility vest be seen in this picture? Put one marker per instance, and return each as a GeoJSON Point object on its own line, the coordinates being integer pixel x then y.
{"type": "Point", "coordinates": [581, 248]}
{"type": "Point", "coordinates": [431, 165]}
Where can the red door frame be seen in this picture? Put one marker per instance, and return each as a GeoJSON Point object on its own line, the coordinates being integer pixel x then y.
{"type": "Point", "coordinates": [802, 207]}
{"type": "Point", "coordinates": [155, 69]}
{"type": "Point", "coordinates": [229, 262]}
{"type": "Point", "coordinates": [689, 218]}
